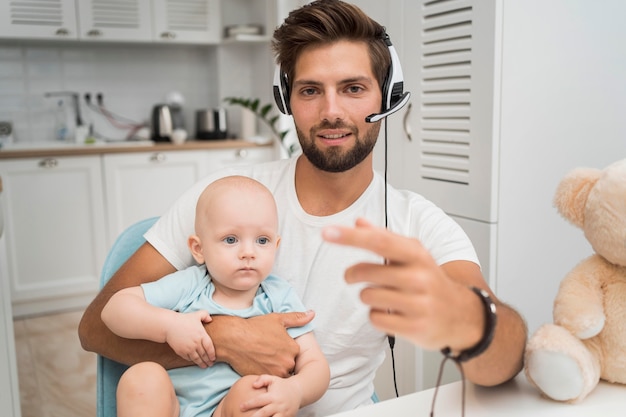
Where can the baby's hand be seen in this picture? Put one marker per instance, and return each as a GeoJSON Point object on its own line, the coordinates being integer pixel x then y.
{"type": "Point", "coordinates": [283, 397]}
{"type": "Point", "coordinates": [190, 340]}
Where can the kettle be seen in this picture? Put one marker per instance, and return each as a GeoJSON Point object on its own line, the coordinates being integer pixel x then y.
{"type": "Point", "coordinates": [165, 119]}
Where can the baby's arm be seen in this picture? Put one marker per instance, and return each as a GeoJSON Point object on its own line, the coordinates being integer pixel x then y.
{"type": "Point", "coordinates": [310, 381]}
{"type": "Point", "coordinates": [128, 315]}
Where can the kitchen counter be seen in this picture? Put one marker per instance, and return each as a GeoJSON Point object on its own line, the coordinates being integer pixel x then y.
{"type": "Point", "coordinates": [52, 149]}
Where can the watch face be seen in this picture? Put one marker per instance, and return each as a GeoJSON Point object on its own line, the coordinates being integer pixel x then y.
{"type": "Point", "coordinates": [6, 128]}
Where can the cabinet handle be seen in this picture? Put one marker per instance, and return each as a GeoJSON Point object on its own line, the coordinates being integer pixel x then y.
{"type": "Point", "coordinates": [62, 32]}
{"type": "Point", "coordinates": [405, 121]}
{"type": "Point", "coordinates": [48, 163]}
{"type": "Point", "coordinates": [241, 153]}
{"type": "Point", "coordinates": [168, 35]}
{"type": "Point", "coordinates": [94, 33]}
{"type": "Point", "coordinates": [158, 158]}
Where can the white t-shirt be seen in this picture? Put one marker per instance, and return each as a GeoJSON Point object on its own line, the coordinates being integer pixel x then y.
{"type": "Point", "coordinates": [315, 268]}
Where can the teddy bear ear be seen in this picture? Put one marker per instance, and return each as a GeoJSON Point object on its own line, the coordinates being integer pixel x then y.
{"type": "Point", "coordinates": [572, 193]}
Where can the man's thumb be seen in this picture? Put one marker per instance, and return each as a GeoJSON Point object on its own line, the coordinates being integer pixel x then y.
{"type": "Point", "coordinates": [297, 319]}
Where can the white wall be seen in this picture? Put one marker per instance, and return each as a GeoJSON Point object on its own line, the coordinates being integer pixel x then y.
{"type": "Point", "coordinates": [563, 105]}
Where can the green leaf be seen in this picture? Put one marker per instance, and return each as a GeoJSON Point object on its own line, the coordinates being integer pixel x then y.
{"type": "Point", "coordinates": [272, 121]}
{"type": "Point", "coordinates": [265, 110]}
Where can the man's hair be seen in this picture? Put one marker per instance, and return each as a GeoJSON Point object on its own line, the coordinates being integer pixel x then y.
{"type": "Point", "coordinates": [325, 22]}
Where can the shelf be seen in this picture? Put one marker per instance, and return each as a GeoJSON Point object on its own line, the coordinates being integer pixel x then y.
{"type": "Point", "coordinates": [246, 39]}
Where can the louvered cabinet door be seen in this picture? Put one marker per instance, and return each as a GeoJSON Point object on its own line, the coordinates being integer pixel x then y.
{"type": "Point", "coordinates": [450, 68]}
{"type": "Point", "coordinates": [187, 21]}
{"type": "Point", "coordinates": [115, 20]}
{"type": "Point", "coordinates": [44, 19]}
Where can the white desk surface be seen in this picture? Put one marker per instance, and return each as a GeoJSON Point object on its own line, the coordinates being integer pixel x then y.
{"type": "Point", "coordinates": [516, 398]}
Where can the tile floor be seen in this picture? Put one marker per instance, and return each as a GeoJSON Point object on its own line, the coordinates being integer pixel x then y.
{"type": "Point", "coordinates": [57, 377]}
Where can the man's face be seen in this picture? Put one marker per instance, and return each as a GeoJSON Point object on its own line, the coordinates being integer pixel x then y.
{"type": "Point", "coordinates": [333, 91]}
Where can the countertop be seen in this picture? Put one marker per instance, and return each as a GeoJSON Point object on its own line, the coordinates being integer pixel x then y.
{"type": "Point", "coordinates": [516, 398]}
{"type": "Point", "coordinates": [51, 149]}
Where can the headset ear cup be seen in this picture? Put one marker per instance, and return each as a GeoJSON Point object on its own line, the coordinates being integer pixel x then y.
{"type": "Point", "coordinates": [393, 87]}
{"type": "Point", "coordinates": [393, 95]}
{"type": "Point", "coordinates": [281, 91]}
{"type": "Point", "coordinates": [386, 103]}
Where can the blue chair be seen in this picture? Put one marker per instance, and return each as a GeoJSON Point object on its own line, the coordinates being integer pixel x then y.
{"type": "Point", "coordinates": [108, 371]}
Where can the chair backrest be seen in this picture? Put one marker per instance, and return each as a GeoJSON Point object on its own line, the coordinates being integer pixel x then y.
{"type": "Point", "coordinates": [109, 372]}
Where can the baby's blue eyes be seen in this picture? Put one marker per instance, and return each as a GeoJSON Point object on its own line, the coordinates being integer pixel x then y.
{"type": "Point", "coordinates": [231, 240]}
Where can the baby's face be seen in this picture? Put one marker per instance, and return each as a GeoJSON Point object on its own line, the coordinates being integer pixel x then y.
{"type": "Point", "coordinates": [240, 239]}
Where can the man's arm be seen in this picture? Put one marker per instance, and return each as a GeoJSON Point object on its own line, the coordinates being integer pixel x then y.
{"type": "Point", "coordinates": [432, 306]}
{"type": "Point", "coordinates": [258, 345]}
{"type": "Point", "coordinates": [145, 265]}
{"type": "Point", "coordinates": [504, 357]}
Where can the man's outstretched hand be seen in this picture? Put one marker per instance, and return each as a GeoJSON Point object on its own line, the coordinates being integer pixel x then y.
{"type": "Point", "coordinates": [258, 345]}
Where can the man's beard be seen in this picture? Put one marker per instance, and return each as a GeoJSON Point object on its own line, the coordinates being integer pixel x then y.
{"type": "Point", "coordinates": [335, 159]}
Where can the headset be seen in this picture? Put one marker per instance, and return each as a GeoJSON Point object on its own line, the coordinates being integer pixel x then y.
{"type": "Point", "coordinates": [394, 96]}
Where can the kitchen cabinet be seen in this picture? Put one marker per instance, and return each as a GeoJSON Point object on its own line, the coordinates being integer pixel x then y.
{"type": "Point", "coordinates": [182, 21]}
{"type": "Point", "coordinates": [145, 184]}
{"type": "Point", "coordinates": [55, 231]}
{"type": "Point", "coordinates": [23, 19]}
{"type": "Point", "coordinates": [9, 391]}
{"type": "Point", "coordinates": [188, 21]}
{"type": "Point", "coordinates": [235, 157]}
{"type": "Point", "coordinates": [62, 213]}
{"type": "Point", "coordinates": [128, 20]}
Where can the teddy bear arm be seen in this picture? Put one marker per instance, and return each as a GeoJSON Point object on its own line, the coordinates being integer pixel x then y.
{"type": "Point", "coordinates": [578, 305]}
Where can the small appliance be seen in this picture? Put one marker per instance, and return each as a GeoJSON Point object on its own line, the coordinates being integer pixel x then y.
{"type": "Point", "coordinates": [6, 133]}
{"type": "Point", "coordinates": [166, 119]}
{"type": "Point", "coordinates": [211, 124]}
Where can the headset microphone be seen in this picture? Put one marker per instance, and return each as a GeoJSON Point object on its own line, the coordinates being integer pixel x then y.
{"type": "Point", "coordinates": [404, 98]}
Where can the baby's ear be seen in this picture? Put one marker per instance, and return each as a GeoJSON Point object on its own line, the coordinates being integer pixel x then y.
{"type": "Point", "coordinates": [277, 241]}
{"type": "Point", "coordinates": [195, 246]}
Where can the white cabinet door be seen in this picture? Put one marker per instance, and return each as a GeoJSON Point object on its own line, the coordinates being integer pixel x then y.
{"type": "Point", "coordinates": [448, 63]}
{"type": "Point", "coordinates": [107, 20]}
{"type": "Point", "coordinates": [54, 231]}
{"type": "Point", "coordinates": [38, 20]}
{"type": "Point", "coordinates": [245, 156]}
{"type": "Point", "coordinates": [9, 387]}
{"type": "Point", "coordinates": [188, 21]}
{"type": "Point", "coordinates": [141, 185]}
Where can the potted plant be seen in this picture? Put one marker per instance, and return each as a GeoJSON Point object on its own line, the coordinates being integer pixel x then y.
{"type": "Point", "coordinates": [264, 113]}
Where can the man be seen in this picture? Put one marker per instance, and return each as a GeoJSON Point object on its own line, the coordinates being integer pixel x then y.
{"type": "Point", "coordinates": [335, 60]}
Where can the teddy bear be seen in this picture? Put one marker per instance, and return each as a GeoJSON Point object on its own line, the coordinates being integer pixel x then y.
{"type": "Point", "coordinates": [587, 340]}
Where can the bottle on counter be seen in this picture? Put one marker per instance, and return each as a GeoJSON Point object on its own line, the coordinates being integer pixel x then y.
{"type": "Point", "coordinates": [61, 131]}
